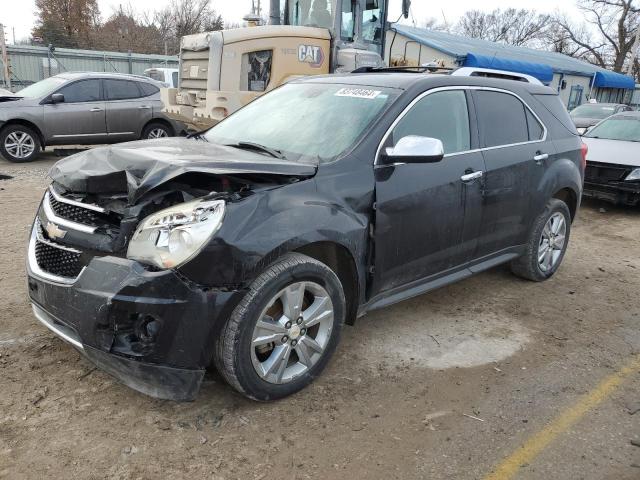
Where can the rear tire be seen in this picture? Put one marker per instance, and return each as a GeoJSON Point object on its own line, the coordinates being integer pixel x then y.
{"type": "Point", "coordinates": [156, 130]}
{"type": "Point", "coordinates": [547, 243]}
{"type": "Point", "coordinates": [19, 144]}
{"type": "Point", "coordinates": [284, 331]}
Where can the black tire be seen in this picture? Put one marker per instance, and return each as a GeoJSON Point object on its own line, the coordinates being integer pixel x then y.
{"type": "Point", "coordinates": [528, 265]}
{"type": "Point", "coordinates": [20, 130]}
{"type": "Point", "coordinates": [156, 126]}
{"type": "Point", "coordinates": [233, 349]}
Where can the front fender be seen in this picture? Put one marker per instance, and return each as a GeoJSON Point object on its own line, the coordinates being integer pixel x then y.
{"type": "Point", "coordinates": [261, 228]}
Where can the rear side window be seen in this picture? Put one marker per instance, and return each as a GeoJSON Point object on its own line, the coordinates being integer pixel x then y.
{"type": "Point", "coordinates": [536, 131]}
{"type": "Point", "coordinates": [82, 91]}
{"type": "Point", "coordinates": [121, 89]}
{"type": "Point", "coordinates": [555, 107]}
{"type": "Point", "coordinates": [174, 77]}
{"type": "Point", "coordinates": [442, 115]}
{"type": "Point", "coordinates": [501, 117]}
{"type": "Point", "coordinates": [148, 89]}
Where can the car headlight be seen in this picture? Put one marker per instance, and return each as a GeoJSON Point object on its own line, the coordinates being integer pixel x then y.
{"type": "Point", "coordinates": [634, 175]}
{"type": "Point", "coordinates": [173, 236]}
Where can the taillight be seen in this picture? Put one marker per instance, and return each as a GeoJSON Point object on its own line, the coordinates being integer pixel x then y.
{"type": "Point", "coordinates": [584, 149]}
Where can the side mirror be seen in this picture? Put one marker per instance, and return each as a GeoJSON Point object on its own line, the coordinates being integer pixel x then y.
{"type": "Point", "coordinates": [415, 149]}
{"type": "Point", "coordinates": [406, 7]}
{"type": "Point", "coordinates": [57, 98]}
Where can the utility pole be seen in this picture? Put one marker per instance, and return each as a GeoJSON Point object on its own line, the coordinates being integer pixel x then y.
{"type": "Point", "coordinates": [6, 68]}
{"type": "Point", "coordinates": [634, 52]}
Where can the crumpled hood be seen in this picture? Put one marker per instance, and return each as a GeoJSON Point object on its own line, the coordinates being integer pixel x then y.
{"type": "Point", "coordinates": [616, 152]}
{"type": "Point", "coordinates": [138, 167]}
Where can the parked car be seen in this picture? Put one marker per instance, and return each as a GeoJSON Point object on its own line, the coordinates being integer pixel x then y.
{"type": "Point", "coordinates": [249, 246]}
{"type": "Point", "coordinates": [613, 162]}
{"type": "Point", "coordinates": [167, 76]}
{"type": "Point", "coordinates": [84, 109]}
{"type": "Point", "coordinates": [588, 114]}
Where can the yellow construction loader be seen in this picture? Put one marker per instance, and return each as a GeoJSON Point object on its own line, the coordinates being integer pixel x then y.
{"type": "Point", "coordinates": [224, 70]}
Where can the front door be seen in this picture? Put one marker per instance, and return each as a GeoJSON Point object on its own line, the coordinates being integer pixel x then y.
{"type": "Point", "coordinates": [127, 111]}
{"type": "Point", "coordinates": [80, 118]}
{"type": "Point", "coordinates": [427, 215]}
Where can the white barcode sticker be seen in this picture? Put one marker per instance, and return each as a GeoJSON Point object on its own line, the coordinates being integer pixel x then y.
{"type": "Point", "coordinates": [358, 93]}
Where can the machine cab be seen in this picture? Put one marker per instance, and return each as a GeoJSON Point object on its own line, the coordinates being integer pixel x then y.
{"type": "Point", "coordinates": [356, 27]}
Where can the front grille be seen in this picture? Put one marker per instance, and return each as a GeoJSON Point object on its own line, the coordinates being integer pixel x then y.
{"type": "Point", "coordinates": [602, 172]}
{"type": "Point", "coordinates": [74, 213]}
{"type": "Point", "coordinates": [53, 260]}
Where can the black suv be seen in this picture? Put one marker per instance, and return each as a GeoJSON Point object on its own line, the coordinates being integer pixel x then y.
{"type": "Point", "coordinates": [249, 246]}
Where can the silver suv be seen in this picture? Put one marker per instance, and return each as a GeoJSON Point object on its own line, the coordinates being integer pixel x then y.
{"type": "Point", "coordinates": [81, 108]}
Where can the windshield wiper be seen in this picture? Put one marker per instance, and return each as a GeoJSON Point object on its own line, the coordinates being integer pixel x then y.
{"type": "Point", "coordinates": [256, 146]}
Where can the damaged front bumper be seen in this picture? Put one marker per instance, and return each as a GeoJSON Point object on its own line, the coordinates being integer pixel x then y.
{"type": "Point", "coordinates": [606, 181]}
{"type": "Point", "coordinates": [154, 331]}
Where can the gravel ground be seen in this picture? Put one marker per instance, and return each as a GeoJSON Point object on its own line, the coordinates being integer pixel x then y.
{"type": "Point", "coordinates": [443, 386]}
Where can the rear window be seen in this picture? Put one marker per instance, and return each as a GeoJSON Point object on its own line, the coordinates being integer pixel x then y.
{"type": "Point", "coordinates": [555, 107]}
{"type": "Point", "coordinates": [121, 89]}
{"type": "Point", "coordinates": [148, 89]}
{"type": "Point", "coordinates": [501, 119]}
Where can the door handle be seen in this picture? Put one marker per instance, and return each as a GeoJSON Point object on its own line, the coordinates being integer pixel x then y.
{"type": "Point", "coordinates": [96, 109]}
{"type": "Point", "coordinates": [470, 177]}
{"type": "Point", "coordinates": [144, 107]}
{"type": "Point", "coordinates": [540, 157]}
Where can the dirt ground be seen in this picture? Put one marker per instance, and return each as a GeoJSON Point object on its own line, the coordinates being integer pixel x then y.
{"type": "Point", "coordinates": [444, 386]}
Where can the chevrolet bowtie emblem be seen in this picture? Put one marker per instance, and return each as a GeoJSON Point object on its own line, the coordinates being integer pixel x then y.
{"type": "Point", "coordinates": [54, 231]}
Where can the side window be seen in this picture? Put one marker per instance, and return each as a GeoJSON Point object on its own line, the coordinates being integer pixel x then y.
{"type": "Point", "coordinates": [174, 78]}
{"type": "Point", "coordinates": [536, 131]}
{"type": "Point", "coordinates": [501, 119]}
{"type": "Point", "coordinates": [120, 89]}
{"type": "Point", "coordinates": [148, 89]}
{"type": "Point", "coordinates": [82, 91]}
{"type": "Point", "coordinates": [442, 115]}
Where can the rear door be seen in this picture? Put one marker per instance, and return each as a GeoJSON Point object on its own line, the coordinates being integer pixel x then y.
{"type": "Point", "coordinates": [426, 215]}
{"type": "Point", "coordinates": [516, 153]}
{"type": "Point", "coordinates": [128, 109]}
{"type": "Point", "coordinates": [80, 118]}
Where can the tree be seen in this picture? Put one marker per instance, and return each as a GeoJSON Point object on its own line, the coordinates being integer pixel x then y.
{"type": "Point", "coordinates": [511, 26]}
{"type": "Point", "coordinates": [186, 17]}
{"type": "Point", "coordinates": [124, 31]}
{"type": "Point", "coordinates": [608, 36]}
{"type": "Point", "coordinates": [67, 23]}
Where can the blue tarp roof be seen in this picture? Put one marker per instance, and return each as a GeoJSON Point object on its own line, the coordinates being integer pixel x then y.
{"type": "Point", "coordinates": [460, 47]}
{"type": "Point", "coordinates": [613, 80]}
{"type": "Point", "coordinates": [542, 72]}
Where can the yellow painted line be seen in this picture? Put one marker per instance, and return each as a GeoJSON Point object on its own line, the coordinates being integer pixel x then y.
{"type": "Point", "coordinates": [538, 442]}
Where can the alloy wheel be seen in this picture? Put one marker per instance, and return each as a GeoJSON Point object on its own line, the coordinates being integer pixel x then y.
{"type": "Point", "coordinates": [19, 144]}
{"type": "Point", "coordinates": [552, 242]}
{"type": "Point", "coordinates": [157, 133]}
{"type": "Point", "coordinates": [292, 333]}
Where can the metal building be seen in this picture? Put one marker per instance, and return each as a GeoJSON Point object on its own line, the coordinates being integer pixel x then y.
{"type": "Point", "coordinates": [575, 80]}
{"type": "Point", "coordinates": [30, 64]}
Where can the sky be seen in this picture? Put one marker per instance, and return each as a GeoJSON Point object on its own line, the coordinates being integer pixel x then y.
{"type": "Point", "coordinates": [20, 15]}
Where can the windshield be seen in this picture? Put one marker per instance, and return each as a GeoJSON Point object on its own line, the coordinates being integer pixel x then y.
{"type": "Point", "coordinates": [617, 128]}
{"type": "Point", "coordinates": [593, 111]}
{"type": "Point", "coordinates": [42, 88]}
{"type": "Point", "coordinates": [310, 13]}
{"type": "Point", "coordinates": [305, 121]}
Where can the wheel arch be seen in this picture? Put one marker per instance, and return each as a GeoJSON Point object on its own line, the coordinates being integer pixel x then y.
{"type": "Point", "coordinates": [570, 197]}
{"type": "Point", "coordinates": [25, 123]}
{"type": "Point", "coordinates": [339, 259]}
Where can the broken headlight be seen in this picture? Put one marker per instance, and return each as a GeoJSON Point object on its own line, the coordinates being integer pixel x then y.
{"type": "Point", "coordinates": [173, 236]}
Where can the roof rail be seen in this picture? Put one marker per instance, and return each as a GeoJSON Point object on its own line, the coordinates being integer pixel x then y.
{"type": "Point", "coordinates": [488, 72]}
{"type": "Point", "coordinates": [404, 69]}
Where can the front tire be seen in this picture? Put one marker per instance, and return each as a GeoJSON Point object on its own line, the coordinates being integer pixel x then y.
{"type": "Point", "coordinates": [547, 243]}
{"type": "Point", "coordinates": [284, 331]}
{"type": "Point", "coordinates": [19, 144]}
